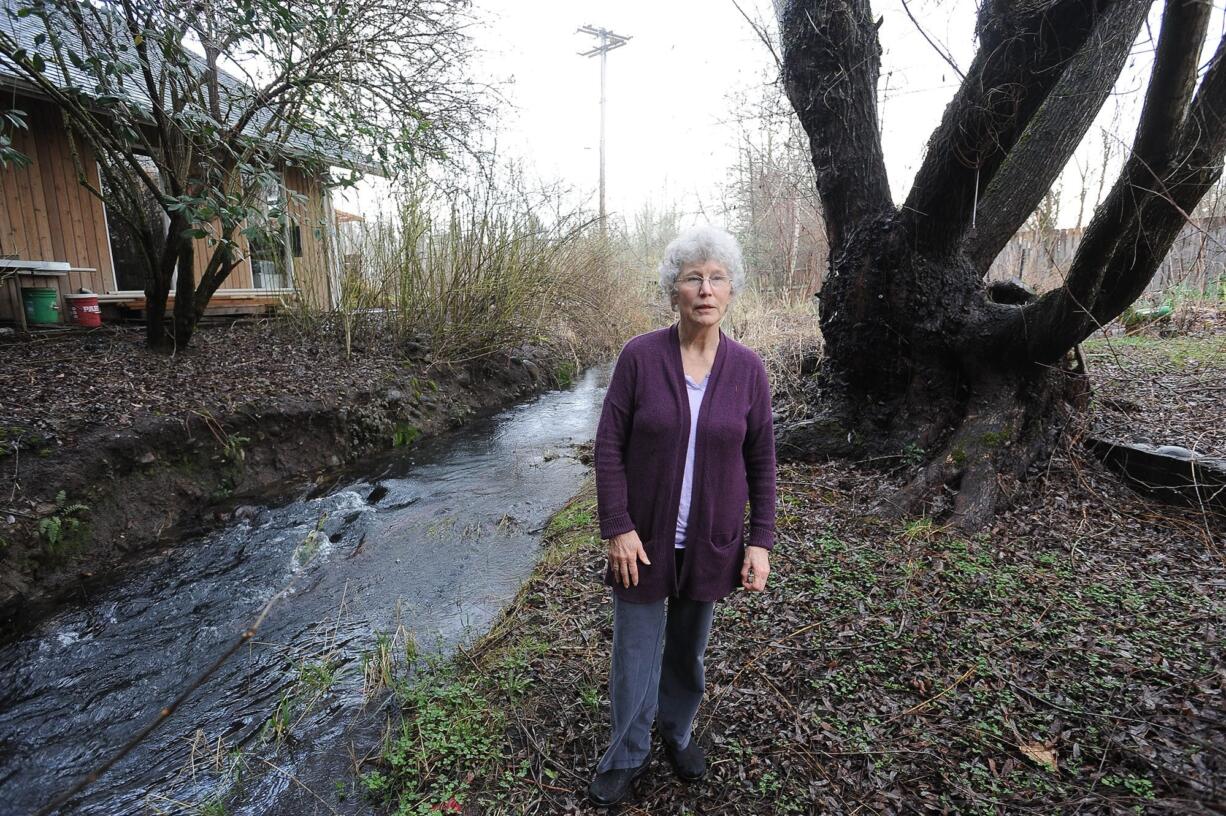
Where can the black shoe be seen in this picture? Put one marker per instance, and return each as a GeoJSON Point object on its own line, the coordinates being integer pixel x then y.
{"type": "Point", "coordinates": [690, 763]}
{"type": "Point", "coordinates": [611, 787]}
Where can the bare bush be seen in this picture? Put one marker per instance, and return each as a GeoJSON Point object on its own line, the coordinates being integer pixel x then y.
{"type": "Point", "coordinates": [478, 271]}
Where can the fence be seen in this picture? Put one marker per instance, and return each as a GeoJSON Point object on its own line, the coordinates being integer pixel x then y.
{"type": "Point", "coordinates": [1196, 263]}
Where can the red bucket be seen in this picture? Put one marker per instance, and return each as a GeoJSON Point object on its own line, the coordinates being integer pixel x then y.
{"type": "Point", "coordinates": [83, 310]}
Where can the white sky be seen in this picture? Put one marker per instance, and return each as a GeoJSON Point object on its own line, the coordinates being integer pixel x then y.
{"type": "Point", "coordinates": [670, 135]}
{"type": "Point", "coordinates": [666, 96]}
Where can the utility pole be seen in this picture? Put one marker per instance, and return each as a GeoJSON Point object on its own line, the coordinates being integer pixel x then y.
{"type": "Point", "coordinates": [608, 41]}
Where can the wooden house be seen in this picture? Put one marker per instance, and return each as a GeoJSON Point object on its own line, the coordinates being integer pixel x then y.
{"type": "Point", "coordinates": [54, 233]}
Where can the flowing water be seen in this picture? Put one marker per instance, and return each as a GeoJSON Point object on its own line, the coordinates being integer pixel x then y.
{"type": "Point", "coordinates": [431, 542]}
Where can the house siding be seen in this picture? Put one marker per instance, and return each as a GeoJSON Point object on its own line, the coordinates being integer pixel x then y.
{"type": "Point", "coordinates": [46, 215]}
{"type": "Point", "coordinates": [312, 221]}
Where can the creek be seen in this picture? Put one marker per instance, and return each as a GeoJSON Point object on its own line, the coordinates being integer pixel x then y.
{"type": "Point", "coordinates": [427, 543]}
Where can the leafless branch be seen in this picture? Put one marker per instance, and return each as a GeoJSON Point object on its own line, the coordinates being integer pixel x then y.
{"type": "Point", "coordinates": [943, 52]}
{"type": "Point", "coordinates": [763, 35]}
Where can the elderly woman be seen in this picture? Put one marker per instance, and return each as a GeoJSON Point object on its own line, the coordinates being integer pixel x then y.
{"type": "Point", "coordinates": [684, 440]}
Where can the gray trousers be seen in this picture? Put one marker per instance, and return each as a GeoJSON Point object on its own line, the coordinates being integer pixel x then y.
{"type": "Point", "coordinates": [656, 674]}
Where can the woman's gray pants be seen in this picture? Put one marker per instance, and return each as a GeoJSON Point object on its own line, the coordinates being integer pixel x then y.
{"type": "Point", "coordinates": [656, 670]}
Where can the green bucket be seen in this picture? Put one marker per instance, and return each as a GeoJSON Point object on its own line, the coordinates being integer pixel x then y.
{"type": "Point", "coordinates": [41, 305]}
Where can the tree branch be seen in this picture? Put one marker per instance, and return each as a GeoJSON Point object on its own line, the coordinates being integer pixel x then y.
{"type": "Point", "coordinates": [1023, 53]}
{"type": "Point", "coordinates": [1135, 226]}
{"type": "Point", "coordinates": [942, 52]}
{"type": "Point", "coordinates": [831, 60]}
{"type": "Point", "coordinates": [1203, 143]}
{"type": "Point", "coordinates": [762, 34]}
{"type": "Point", "coordinates": [1173, 81]}
{"type": "Point", "coordinates": [1054, 133]}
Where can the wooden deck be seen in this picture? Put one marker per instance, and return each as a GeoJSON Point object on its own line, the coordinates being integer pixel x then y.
{"type": "Point", "coordinates": [223, 303]}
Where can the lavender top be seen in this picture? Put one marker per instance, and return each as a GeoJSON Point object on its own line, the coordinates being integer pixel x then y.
{"type": "Point", "coordinates": [641, 445]}
{"type": "Point", "coordinates": [695, 392]}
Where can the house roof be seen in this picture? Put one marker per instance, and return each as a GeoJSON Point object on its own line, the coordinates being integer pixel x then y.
{"type": "Point", "coordinates": [24, 30]}
{"type": "Point", "coordinates": [344, 217]}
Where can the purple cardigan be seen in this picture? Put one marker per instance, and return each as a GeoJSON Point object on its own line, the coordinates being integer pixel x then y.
{"type": "Point", "coordinates": [640, 461]}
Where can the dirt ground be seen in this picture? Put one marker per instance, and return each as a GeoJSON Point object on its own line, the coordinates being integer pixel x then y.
{"type": "Point", "coordinates": [56, 387]}
{"type": "Point", "coordinates": [1070, 659]}
{"type": "Point", "coordinates": [1165, 385]}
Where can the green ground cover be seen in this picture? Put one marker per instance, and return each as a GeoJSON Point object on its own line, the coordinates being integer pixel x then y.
{"type": "Point", "coordinates": [1152, 352]}
{"type": "Point", "coordinates": [1069, 659]}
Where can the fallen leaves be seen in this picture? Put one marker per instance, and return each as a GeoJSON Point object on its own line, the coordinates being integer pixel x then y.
{"type": "Point", "coordinates": [1060, 662]}
{"type": "Point", "coordinates": [64, 384]}
{"type": "Point", "coordinates": [1040, 753]}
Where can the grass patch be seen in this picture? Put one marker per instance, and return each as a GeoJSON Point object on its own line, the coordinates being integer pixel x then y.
{"type": "Point", "coordinates": [314, 680]}
{"type": "Point", "coordinates": [575, 516]}
{"type": "Point", "coordinates": [1161, 352]}
{"type": "Point", "coordinates": [449, 734]}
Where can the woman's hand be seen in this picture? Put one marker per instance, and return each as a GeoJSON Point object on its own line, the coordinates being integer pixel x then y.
{"type": "Point", "coordinates": [757, 564]}
{"type": "Point", "coordinates": [625, 553]}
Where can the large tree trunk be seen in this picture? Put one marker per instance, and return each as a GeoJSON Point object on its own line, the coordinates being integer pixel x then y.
{"type": "Point", "coordinates": [900, 379]}
{"type": "Point", "coordinates": [195, 296]}
{"type": "Point", "coordinates": [186, 316]}
{"type": "Point", "coordinates": [922, 359]}
{"type": "Point", "coordinates": [157, 289]}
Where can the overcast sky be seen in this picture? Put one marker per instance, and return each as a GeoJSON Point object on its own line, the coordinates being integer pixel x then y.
{"type": "Point", "coordinates": [671, 90]}
{"type": "Point", "coordinates": [670, 136]}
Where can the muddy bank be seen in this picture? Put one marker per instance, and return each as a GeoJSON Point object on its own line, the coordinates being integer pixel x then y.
{"type": "Point", "coordinates": [87, 497]}
{"type": "Point", "coordinates": [403, 553]}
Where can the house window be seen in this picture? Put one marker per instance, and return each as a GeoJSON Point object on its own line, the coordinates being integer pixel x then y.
{"type": "Point", "coordinates": [127, 257]}
{"type": "Point", "coordinates": [271, 238]}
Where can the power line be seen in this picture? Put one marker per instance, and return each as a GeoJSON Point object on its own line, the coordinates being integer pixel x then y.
{"type": "Point", "coordinates": [608, 42]}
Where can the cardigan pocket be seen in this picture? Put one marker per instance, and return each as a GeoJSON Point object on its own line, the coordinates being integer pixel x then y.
{"type": "Point", "coordinates": [714, 570]}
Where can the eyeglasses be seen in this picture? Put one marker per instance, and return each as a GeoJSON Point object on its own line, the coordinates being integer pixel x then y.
{"type": "Point", "coordinates": [695, 282]}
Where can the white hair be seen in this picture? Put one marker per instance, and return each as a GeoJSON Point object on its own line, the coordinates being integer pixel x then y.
{"type": "Point", "coordinates": [699, 245]}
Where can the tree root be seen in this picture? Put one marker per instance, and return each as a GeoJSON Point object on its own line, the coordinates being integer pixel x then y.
{"type": "Point", "coordinates": [1007, 427]}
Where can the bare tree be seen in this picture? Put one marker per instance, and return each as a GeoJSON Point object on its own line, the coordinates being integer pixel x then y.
{"type": "Point", "coordinates": [920, 352]}
{"type": "Point", "coordinates": [774, 208]}
{"type": "Point", "coordinates": [309, 82]}
{"type": "Point", "coordinates": [1092, 171]}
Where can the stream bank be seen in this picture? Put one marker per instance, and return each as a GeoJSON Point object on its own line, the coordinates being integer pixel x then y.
{"type": "Point", "coordinates": [1068, 658]}
{"type": "Point", "coordinates": [405, 553]}
{"type": "Point", "coordinates": [110, 451]}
